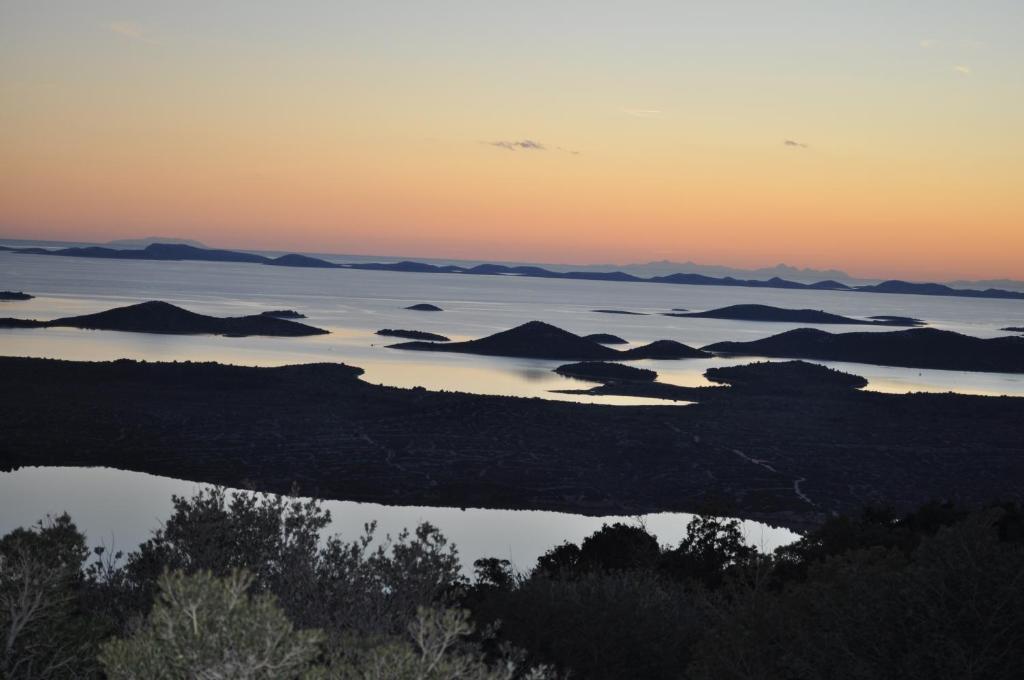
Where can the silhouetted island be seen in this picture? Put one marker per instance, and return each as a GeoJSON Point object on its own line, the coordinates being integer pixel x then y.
{"type": "Point", "coordinates": [619, 311]}
{"type": "Point", "coordinates": [162, 317]}
{"type": "Point", "coordinates": [913, 348]}
{"type": "Point", "coordinates": [425, 307]}
{"type": "Point", "coordinates": [606, 339]}
{"type": "Point", "coordinates": [779, 314]}
{"type": "Point", "coordinates": [12, 295]}
{"type": "Point", "coordinates": [1013, 329]}
{"type": "Point", "coordinates": [789, 459]}
{"type": "Point", "coordinates": [604, 372]}
{"type": "Point", "coordinates": [181, 251]}
{"type": "Point", "coordinates": [413, 335]}
{"type": "Point", "coordinates": [284, 314]}
{"type": "Point", "coordinates": [539, 340]}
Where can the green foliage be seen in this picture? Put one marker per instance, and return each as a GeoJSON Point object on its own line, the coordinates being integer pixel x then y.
{"type": "Point", "coordinates": [211, 628]}
{"type": "Point", "coordinates": [43, 633]}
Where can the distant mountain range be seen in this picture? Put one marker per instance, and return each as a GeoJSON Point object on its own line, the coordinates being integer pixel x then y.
{"type": "Point", "coordinates": [179, 251]}
{"type": "Point", "coordinates": [150, 240]}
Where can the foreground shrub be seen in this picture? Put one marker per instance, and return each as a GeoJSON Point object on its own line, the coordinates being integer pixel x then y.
{"type": "Point", "coordinates": [211, 628]}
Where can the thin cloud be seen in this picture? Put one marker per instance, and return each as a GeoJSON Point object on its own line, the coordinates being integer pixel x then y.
{"type": "Point", "coordinates": [795, 144]}
{"type": "Point", "coordinates": [522, 144]}
{"type": "Point", "coordinates": [962, 70]}
{"type": "Point", "coordinates": [130, 30]}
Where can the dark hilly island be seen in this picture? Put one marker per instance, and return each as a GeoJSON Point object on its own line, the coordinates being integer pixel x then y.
{"type": "Point", "coordinates": [284, 314]}
{"type": "Point", "coordinates": [779, 314]}
{"type": "Point", "coordinates": [606, 339]}
{"type": "Point", "coordinates": [539, 340]}
{"type": "Point", "coordinates": [14, 295]}
{"type": "Point", "coordinates": [162, 317]}
{"type": "Point", "coordinates": [604, 372]}
{"type": "Point", "coordinates": [424, 307]}
{"type": "Point", "coordinates": [413, 335]}
{"type": "Point", "coordinates": [913, 348]}
{"type": "Point", "coordinates": [1013, 329]}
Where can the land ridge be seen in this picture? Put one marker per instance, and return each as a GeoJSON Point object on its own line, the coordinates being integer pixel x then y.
{"type": "Point", "coordinates": [737, 451]}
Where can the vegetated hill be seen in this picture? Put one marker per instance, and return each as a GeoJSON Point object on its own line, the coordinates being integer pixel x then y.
{"type": "Point", "coordinates": [606, 339]}
{"type": "Point", "coordinates": [424, 307]}
{"type": "Point", "coordinates": [539, 340]}
{"type": "Point", "coordinates": [534, 340]}
{"type": "Point", "coordinates": [664, 349]}
{"type": "Point", "coordinates": [779, 377]}
{"type": "Point", "coordinates": [913, 348]}
{"type": "Point", "coordinates": [284, 314]}
{"type": "Point", "coordinates": [780, 314]}
{"type": "Point", "coordinates": [162, 317]}
{"type": "Point", "coordinates": [14, 295]}
{"type": "Point", "coordinates": [601, 371]}
{"type": "Point", "coordinates": [413, 335]}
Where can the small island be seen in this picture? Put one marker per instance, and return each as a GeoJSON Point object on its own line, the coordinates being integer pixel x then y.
{"type": "Point", "coordinates": [165, 318]}
{"type": "Point", "coordinates": [619, 311]}
{"type": "Point", "coordinates": [604, 372]}
{"type": "Point", "coordinates": [605, 339]}
{"type": "Point", "coordinates": [779, 314]}
{"type": "Point", "coordinates": [539, 340]}
{"type": "Point", "coordinates": [12, 295]}
{"type": "Point", "coordinates": [1013, 329]}
{"type": "Point", "coordinates": [284, 314]}
{"type": "Point", "coordinates": [413, 335]}
{"type": "Point", "coordinates": [913, 348]}
{"type": "Point", "coordinates": [424, 307]}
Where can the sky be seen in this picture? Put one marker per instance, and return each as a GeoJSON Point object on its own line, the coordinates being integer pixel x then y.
{"type": "Point", "coordinates": [882, 138]}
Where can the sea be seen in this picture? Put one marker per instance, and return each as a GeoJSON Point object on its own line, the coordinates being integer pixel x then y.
{"type": "Point", "coordinates": [353, 304]}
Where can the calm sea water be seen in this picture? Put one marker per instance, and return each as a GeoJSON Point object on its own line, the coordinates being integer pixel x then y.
{"type": "Point", "coordinates": [120, 509]}
{"type": "Point", "coordinates": [354, 304]}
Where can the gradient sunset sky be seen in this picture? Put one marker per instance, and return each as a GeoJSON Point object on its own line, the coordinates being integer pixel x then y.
{"type": "Point", "coordinates": [884, 138]}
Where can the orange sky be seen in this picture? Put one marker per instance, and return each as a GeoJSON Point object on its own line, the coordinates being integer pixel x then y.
{"type": "Point", "coordinates": [348, 128]}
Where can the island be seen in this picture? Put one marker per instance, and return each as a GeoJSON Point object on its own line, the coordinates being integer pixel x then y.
{"type": "Point", "coordinates": [165, 318]}
{"type": "Point", "coordinates": [321, 430]}
{"type": "Point", "coordinates": [13, 295]}
{"type": "Point", "coordinates": [284, 314]}
{"type": "Point", "coordinates": [606, 339]}
{"type": "Point", "coordinates": [619, 311]}
{"type": "Point", "coordinates": [913, 348]}
{"type": "Point", "coordinates": [604, 372]}
{"type": "Point", "coordinates": [413, 335]}
{"type": "Point", "coordinates": [1013, 329]}
{"type": "Point", "coordinates": [779, 314]}
{"type": "Point", "coordinates": [540, 340]}
{"type": "Point", "coordinates": [424, 307]}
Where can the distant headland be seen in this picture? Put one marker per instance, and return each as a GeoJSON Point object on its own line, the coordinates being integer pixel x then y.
{"type": "Point", "coordinates": [184, 251]}
{"type": "Point", "coordinates": [778, 314]}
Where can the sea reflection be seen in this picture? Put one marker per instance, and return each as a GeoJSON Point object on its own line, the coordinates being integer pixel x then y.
{"type": "Point", "coordinates": [120, 509]}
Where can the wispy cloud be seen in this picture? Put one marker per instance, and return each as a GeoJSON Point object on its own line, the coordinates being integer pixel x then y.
{"type": "Point", "coordinates": [962, 69]}
{"type": "Point", "coordinates": [522, 144]}
{"type": "Point", "coordinates": [643, 113]}
{"type": "Point", "coordinates": [795, 144]}
{"type": "Point", "coordinates": [131, 30]}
